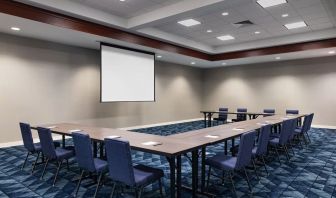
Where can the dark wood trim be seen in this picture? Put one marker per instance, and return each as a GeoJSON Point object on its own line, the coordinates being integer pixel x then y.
{"type": "Point", "coordinates": [311, 45]}
{"type": "Point", "coordinates": [52, 18]}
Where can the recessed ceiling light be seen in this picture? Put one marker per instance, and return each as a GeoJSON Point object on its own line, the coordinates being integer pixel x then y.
{"type": "Point", "coordinates": [285, 15]}
{"type": "Point", "coordinates": [278, 58]}
{"type": "Point", "coordinates": [270, 3]}
{"type": "Point", "coordinates": [225, 13]}
{"type": "Point", "coordinates": [295, 25]}
{"type": "Point", "coordinates": [189, 22]}
{"type": "Point", "coordinates": [159, 56]}
{"type": "Point", "coordinates": [225, 37]}
{"type": "Point", "coordinates": [15, 28]}
{"type": "Point", "coordinates": [209, 31]}
{"type": "Point", "coordinates": [193, 63]}
{"type": "Point", "coordinates": [332, 52]}
{"type": "Point", "coordinates": [257, 32]}
{"type": "Point", "coordinates": [121, 0]}
{"type": "Point", "coordinates": [223, 63]}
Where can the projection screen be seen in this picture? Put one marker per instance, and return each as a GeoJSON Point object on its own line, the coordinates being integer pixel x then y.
{"type": "Point", "coordinates": [127, 75]}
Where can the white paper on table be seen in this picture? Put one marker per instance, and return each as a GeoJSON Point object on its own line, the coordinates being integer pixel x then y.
{"type": "Point", "coordinates": [151, 143]}
{"type": "Point", "coordinates": [113, 137]}
{"type": "Point", "coordinates": [74, 130]}
{"type": "Point", "coordinates": [212, 136]}
{"type": "Point", "coordinates": [51, 127]}
{"type": "Point", "coordinates": [238, 129]}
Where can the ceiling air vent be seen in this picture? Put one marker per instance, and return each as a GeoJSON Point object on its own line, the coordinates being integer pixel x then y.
{"type": "Point", "coordinates": [243, 24]}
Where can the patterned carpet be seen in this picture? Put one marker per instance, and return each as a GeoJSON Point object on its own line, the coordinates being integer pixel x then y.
{"type": "Point", "coordinates": [310, 173]}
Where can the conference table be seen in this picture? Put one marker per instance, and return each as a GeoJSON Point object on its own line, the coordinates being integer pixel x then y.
{"type": "Point", "coordinates": [208, 115]}
{"type": "Point", "coordinates": [173, 147]}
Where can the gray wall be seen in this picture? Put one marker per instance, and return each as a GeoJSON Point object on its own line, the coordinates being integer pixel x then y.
{"type": "Point", "coordinates": [42, 82]}
{"type": "Point", "coordinates": [307, 85]}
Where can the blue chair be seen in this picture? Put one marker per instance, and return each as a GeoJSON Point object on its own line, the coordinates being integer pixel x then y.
{"type": "Point", "coordinates": [121, 169]}
{"type": "Point", "coordinates": [260, 150]}
{"type": "Point", "coordinates": [51, 153]}
{"type": "Point", "coordinates": [292, 111]}
{"type": "Point", "coordinates": [242, 116]}
{"type": "Point", "coordinates": [85, 160]}
{"type": "Point", "coordinates": [28, 142]}
{"type": "Point", "coordinates": [222, 115]}
{"type": "Point", "coordinates": [270, 111]}
{"type": "Point", "coordinates": [302, 131]}
{"type": "Point", "coordinates": [229, 164]}
{"type": "Point", "coordinates": [281, 141]}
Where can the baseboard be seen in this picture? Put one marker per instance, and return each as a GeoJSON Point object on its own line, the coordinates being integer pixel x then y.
{"type": "Point", "coordinates": [17, 143]}
{"type": "Point", "coordinates": [160, 124]}
{"type": "Point", "coordinates": [324, 126]}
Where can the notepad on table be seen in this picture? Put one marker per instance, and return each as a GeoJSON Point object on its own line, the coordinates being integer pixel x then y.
{"type": "Point", "coordinates": [113, 137]}
{"type": "Point", "coordinates": [74, 130]}
{"type": "Point", "coordinates": [151, 143]}
{"type": "Point", "coordinates": [212, 136]}
{"type": "Point", "coordinates": [51, 127]}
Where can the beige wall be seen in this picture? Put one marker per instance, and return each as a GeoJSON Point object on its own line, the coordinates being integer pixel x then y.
{"type": "Point", "coordinates": [42, 82]}
{"type": "Point", "coordinates": [308, 85]}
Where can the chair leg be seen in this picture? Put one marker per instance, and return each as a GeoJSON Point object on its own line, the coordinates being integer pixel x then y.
{"type": "Point", "coordinates": [308, 137]}
{"type": "Point", "coordinates": [79, 182]}
{"type": "Point", "coordinates": [247, 179]}
{"type": "Point", "coordinates": [57, 171]}
{"type": "Point", "coordinates": [209, 172]}
{"type": "Point", "coordinates": [231, 179]}
{"type": "Point", "coordinates": [67, 162]}
{"type": "Point", "coordinates": [34, 165]}
{"type": "Point", "coordinates": [255, 168]}
{"type": "Point", "coordinates": [291, 148]}
{"type": "Point", "coordinates": [286, 152]}
{"type": "Point", "coordinates": [263, 160]}
{"type": "Point", "coordinates": [161, 187]}
{"type": "Point", "coordinates": [277, 152]}
{"type": "Point", "coordinates": [98, 184]}
{"type": "Point", "coordinates": [113, 188]}
{"type": "Point", "coordinates": [45, 167]}
{"type": "Point", "coordinates": [24, 163]}
{"type": "Point", "coordinates": [138, 192]}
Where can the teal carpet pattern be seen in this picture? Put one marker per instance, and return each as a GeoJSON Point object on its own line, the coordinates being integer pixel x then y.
{"type": "Point", "coordinates": [310, 173]}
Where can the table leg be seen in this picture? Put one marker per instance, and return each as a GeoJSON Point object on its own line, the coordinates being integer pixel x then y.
{"type": "Point", "coordinates": [101, 150]}
{"type": "Point", "coordinates": [95, 149]}
{"type": "Point", "coordinates": [203, 169]}
{"type": "Point", "coordinates": [63, 141]}
{"type": "Point", "coordinates": [209, 119]}
{"type": "Point", "coordinates": [194, 172]}
{"type": "Point", "coordinates": [171, 161]}
{"type": "Point", "coordinates": [178, 176]}
{"type": "Point", "coordinates": [205, 119]}
{"type": "Point", "coordinates": [225, 147]}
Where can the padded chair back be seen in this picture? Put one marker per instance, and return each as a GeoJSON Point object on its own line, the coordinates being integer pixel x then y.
{"type": "Point", "coordinates": [120, 161]}
{"type": "Point", "coordinates": [311, 117]}
{"type": "Point", "coordinates": [47, 144]}
{"type": "Point", "coordinates": [83, 151]}
{"type": "Point", "coordinates": [245, 149]}
{"type": "Point", "coordinates": [285, 132]}
{"type": "Point", "coordinates": [27, 137]}
{"type": "Point", "coordinates": [222, 115]}
{"type": "Point", "coordinates": [269, 111]}
{"type": "Point", "coordinates": [241, 117]}
{"type": "Point", "coordinates": [264, 136]}
{"type": "Point", "coordinates": [305, 125]}
{"type": "Point", "coordinates": [292, 129]}
{"type": "Point", "coordinates": [292, 111]}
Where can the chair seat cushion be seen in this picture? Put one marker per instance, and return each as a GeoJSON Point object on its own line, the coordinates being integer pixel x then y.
{"type": "Point", "coordinates": [274, 141]}
{"type": "Point", "coordinates": [222, 161]}
{"type": "Point", "coordinates": [297, 131]}
{"type": "Point", "coordinates": [100, 165]}
{"type": "Point", "coordinates": [64, 153]}
{"type": "Point", "coordinates": [145, 175]}
{"type": "Point", "coordinates": [38, 147]}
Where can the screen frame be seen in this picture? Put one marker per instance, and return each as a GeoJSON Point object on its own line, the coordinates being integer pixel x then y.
{"type": "Point", "coordinates": [133, 50]}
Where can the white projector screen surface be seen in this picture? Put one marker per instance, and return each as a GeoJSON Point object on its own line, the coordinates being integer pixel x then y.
{"type": "Point", "coordinates": [126, 75]}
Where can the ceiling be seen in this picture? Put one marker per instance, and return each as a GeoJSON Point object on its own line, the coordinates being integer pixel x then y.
{"type": "Point", "coordinates": [158, 19]}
